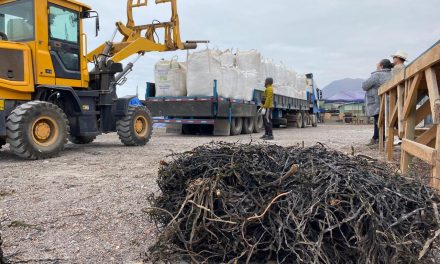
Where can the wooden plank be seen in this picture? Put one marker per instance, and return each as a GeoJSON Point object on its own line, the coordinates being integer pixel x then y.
{"type": "Point", "coordinates": [394, 114]}
{"type": "Point", "coordinates": [410, 125]}
{"type": "Point", "coordinates": [435, 180]}
{"type": "Point", "coordinates": [420, 151]}
{"type": "Point", "coordinates": [423, 112]}
{"type": "Point", "coordinates": [419, 131]}
{"type": "Point", "coordinates": [411, 98]}
{"type": "Point", "coordinates": [400, 101]}
{"type": "Point", "coordinates": [425, 61]}
{"type": "Point", "coordinates": [434, 95]}
{"type": "Point", "coordinates": [428, 136]}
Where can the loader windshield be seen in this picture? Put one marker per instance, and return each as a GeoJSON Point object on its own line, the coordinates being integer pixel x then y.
{"type": "Point", "coordinates": [17, 20]}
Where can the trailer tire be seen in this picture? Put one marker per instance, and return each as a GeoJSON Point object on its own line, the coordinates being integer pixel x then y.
{"type": "Point", "coordinates": [300, 120]}
{"type": "Point", "coordinates": [277, 123]}
{"type": "Point", "coordinates": [236, 126]}
{"type": "Point", "coordinates": [314, 121]}
{"type": "Point", "coordinates": [258, 123]}
{"type": "Point", "coordinates": [248, 125]}
{"type": "Point", "coordinates": [136, 128]}
{"type": "Point", "coordinates": [82, 140]}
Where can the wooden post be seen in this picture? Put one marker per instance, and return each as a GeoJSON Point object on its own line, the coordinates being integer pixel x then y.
{"type": "Point", "coordinates": [390, 136]}
{"type": "Point", "coordinates": [434, 98]}
{"type": "Point", "coordinates": [410, 122]}
{"type": "Point", "coordinates": [400, 100]}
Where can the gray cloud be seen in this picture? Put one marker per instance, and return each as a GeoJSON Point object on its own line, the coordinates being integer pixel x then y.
{"type": "Point", "coordinates": [333, 38]}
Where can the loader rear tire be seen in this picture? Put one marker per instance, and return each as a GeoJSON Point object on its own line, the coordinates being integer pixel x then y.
{"type": "Point", "coordinates": [82, 140]}
{"type": "Point", "coordinates": [37, 130]}
{"type": "Point", "coordinates": [136, 128]}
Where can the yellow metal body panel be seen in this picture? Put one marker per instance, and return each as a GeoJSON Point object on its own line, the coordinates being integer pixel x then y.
{"type": "Point", "coordinates": [19, 90]}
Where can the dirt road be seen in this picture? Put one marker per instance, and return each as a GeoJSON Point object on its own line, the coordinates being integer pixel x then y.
{"type": "Point", "coordinates": [87, 206]}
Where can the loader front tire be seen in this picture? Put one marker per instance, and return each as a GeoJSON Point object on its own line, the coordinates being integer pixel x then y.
{"type": "Point", "coordinates": [136, 128]}
{"type": "Point", "coordinates": [37, 130]}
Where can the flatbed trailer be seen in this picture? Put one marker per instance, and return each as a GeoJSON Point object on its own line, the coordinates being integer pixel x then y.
{"type": "Point", "coordinates": [228, 117]}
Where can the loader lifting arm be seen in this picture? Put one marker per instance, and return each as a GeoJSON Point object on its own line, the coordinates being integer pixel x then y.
{"type": "Point", "coordinates": [138, 39]}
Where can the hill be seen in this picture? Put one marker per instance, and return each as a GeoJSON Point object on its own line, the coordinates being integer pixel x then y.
{"type": "Point", "coordinates": [347, 85]}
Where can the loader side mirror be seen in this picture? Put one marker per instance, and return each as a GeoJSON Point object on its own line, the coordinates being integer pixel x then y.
{"type": "Point", "coordinates": [92, 14]}
{"type": "Point", "coordinates": [97, 26]}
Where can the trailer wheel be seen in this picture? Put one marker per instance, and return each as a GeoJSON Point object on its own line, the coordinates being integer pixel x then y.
{"type": "Point", "coordinates": [314, 120]}
{"type": "Point", "coordinates": [37, 130]}
{"type": "Point", "coordinates": [236, 126]}
{"type": "Point", "coordinates": [300, 120]}
{"type": "Point", "coordinates": [81, 140]}
{"type": "Point", "coordinates": [136, 128]}
{"type": "Point", "coordinates": [258, 123]}
{"type": "Point", "coordinates": [277, 123]}
{"type": "Point", "coordinates": [248, 125]}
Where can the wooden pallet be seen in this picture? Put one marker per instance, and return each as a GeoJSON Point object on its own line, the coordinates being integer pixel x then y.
{"type": "Point", "coordinates": [401, 112]}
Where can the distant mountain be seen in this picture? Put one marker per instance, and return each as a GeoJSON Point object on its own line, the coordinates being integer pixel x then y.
{"type": "Point", "coordinates": [344, 85]}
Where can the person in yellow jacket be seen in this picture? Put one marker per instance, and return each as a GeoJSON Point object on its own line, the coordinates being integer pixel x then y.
{"type": "Point", "coordinates": [268, 105]}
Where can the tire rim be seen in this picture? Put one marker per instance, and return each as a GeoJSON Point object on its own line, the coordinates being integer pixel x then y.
{"type": "Point", "coordinates": [141, 126]}
{"type": "Point", "coordinates": [45, 131]}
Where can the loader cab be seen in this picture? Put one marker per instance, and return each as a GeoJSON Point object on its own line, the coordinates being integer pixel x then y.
{"type": "Point", "coordinates": [53, 30]}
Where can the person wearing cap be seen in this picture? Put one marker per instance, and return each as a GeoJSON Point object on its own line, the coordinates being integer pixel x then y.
{"type": "Point", "coordinates": [399, 59]}
{"type": "Point", "coordinates": [268, 106]}
{"type": "Point", "coordinates": [371, 87]}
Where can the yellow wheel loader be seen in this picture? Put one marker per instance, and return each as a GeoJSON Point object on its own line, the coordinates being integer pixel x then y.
{"type": "Point", "coordinates": [47, 93]}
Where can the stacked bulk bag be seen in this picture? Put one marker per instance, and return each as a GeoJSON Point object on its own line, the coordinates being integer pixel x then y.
{"type": "Point", "coordinates": [250, 84]}
{"type": "Point", "coordinates": [230, 79]}
{"type": "Point", "coordinates": [248, 61]}
{"type": "Point", "coordinates": [301, 86]}
{"type": "Point", "coordinates": [170, 77]}
{"type": "Point", "coordinates": [227, 59]}
{"type": "Point", "coordinates": [203, 68]}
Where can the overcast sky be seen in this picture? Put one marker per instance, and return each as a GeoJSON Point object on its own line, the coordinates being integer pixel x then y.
{"type": "Point", "coordinates": [334, 39]}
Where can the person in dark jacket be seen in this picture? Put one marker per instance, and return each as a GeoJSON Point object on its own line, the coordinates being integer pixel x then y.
{"type": "Point", "coordinates": [371, 87]}
{"type": "Point", "coordinates": [268, 106]}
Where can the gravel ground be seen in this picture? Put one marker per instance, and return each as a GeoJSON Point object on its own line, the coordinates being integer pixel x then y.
{"type": "Point", "coordinates": [87, 206]}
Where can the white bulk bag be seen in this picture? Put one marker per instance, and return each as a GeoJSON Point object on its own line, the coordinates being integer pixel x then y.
{"type": "Point", "coordinates": [239, 93]}
{"type": "Point", "coordinates": [251, 83]}
{"type": "Point", "coordinates": [248, 61]}
{"type": "Point", "coordinates": [291, 78]}
{"type": "Point", "coordinates": [227, 59]}
{"type": "Point", "coordinates": [203, 68]}
{"type": "Point", "coordinates": [229, 82]}
{"type": "Point", "coordinates": [301, 86]}
{"type": "Point", "coordinates": [170, 77]}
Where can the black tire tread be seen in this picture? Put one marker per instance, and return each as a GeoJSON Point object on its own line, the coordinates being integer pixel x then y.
{"type": "Point", "coordinates": [16, 138]}
{"type": "Point", "coordinates": [236, 129]}
{"type": "Point", "coordinates": [248, 125]}
{"type": "Point", "coordinates": [123, 127]}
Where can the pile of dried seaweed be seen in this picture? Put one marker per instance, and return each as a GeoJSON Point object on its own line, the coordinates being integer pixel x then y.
{"type": "Point", "coordinates": [233, 203]}
{"type": "Point", "coordinates": [1, 251]}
